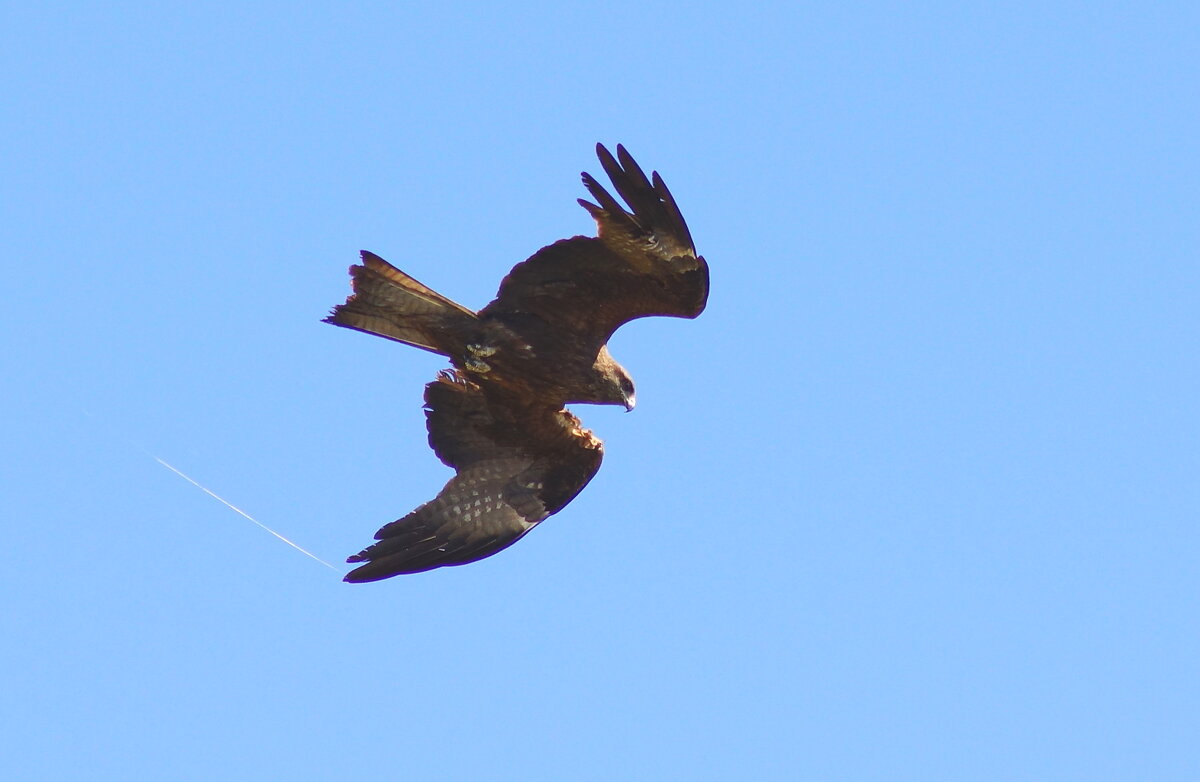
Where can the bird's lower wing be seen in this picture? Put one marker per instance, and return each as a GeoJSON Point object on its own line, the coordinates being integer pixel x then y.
{"type": "Point", "coordinates": [478, 513]}
{"type": "Point", "coordinates": [516, 465]}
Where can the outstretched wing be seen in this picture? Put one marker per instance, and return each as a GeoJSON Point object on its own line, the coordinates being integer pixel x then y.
{"type": "Point", "coordinates": [642, 263]}
{"type": "Point", "coordinates": [515, 466]}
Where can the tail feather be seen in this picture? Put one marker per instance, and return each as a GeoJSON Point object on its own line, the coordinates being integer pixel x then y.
{"type": "Point", "coordinates": [389, 303]}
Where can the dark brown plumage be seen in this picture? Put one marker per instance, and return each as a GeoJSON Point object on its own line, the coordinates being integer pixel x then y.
{"type": "Point", "coordinates": [498, 418]}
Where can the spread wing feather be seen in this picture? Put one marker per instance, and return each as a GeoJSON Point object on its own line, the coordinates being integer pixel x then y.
{"type": "Point", "coordinates": [515, 466]}
{"type": "Point", "coordinates": [642, 263]}
{"type": "Point", "coordinates": [653, 205]}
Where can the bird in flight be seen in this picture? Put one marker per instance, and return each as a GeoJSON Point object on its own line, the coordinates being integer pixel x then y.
{"type": "Point", "coordinates": [498, 417]}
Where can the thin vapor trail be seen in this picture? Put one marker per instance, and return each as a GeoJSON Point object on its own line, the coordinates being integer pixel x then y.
{"type": "Point", "coordinates": [219, 498]}
{"type": "Point", "coordinates": [237, 510]}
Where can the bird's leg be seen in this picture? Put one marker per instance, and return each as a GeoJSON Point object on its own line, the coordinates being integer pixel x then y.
{"type": "Point", "coordinates": [476, 352]}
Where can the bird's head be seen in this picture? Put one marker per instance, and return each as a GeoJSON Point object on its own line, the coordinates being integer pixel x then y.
{"type": "Point", "coordinates": [614, 385]}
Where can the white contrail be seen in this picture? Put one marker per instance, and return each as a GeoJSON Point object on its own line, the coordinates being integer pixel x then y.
{"type": "Point", "coordinates": [211, 493]}
{"type": "Point", "coordinates": [237, 510]}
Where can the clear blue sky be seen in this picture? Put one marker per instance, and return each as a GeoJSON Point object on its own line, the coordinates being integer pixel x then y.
{"type": "Point", "coordinates": [915, 499]}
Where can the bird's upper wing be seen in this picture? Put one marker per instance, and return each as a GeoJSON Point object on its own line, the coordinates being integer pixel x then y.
{"type": "Point", "coordinates": [515, 466]}
{"type": "Point", "coordinates": [642, 263]}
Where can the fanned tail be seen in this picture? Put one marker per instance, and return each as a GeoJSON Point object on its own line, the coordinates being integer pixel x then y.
{"type": "Point", "coordinates": [389, 303]}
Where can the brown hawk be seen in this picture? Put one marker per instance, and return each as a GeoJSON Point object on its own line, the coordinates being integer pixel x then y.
{"type": "Point", "coordinates": [498, 417]}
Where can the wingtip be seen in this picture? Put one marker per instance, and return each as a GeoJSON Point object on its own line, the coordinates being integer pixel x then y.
{"type": "Point", "coordinates": [624, 157]}
{"type": "Point", "coordinates": [360, 574]}
{"type": "Point", "coordinates": [591, 208]}
{"type": "Point", "coordinates": [606, 158]}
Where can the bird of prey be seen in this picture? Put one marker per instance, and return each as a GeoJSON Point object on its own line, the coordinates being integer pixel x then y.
{"type": "Point", "coordinates": [498, 416]}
